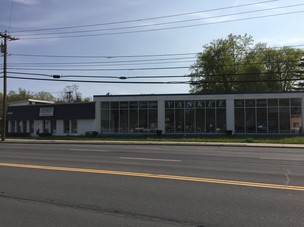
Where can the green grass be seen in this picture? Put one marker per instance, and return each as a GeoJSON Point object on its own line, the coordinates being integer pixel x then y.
{"type": "Point", "coordinates": [209, 138]}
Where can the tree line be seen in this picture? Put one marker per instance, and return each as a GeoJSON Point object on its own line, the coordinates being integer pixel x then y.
{"type": "Point", "coordinates": [236, 64]}
{"type": "Point", "coordinates": [69, 94]}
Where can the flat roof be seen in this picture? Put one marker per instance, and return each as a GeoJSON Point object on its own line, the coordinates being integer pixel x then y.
{"type": "Point", "coordinates": [195, 94]}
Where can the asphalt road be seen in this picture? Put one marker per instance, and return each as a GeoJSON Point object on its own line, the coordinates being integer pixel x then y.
{"type": "Point", "coordinates": [150, 185]}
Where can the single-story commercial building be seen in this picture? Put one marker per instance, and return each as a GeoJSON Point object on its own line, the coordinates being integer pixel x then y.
{"type": "Point", "coordinates": [247, 113]}
{"type": "Point", "coordinates": [46, 118]}
{"type": "Point", "coordinates": [254, 113]}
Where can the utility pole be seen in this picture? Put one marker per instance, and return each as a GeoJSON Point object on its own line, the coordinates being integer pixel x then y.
{"type": "Point", "coordinates": [69, 93]}
{"type": "Point", "coordinates": [6, 38]}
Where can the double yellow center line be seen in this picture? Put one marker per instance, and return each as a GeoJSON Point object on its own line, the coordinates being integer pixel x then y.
{"type": "Point", "coordinates": [156, 176]}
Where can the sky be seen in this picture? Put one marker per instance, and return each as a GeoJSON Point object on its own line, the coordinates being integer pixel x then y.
{"type": "Point", "coordinates": [107, 40]}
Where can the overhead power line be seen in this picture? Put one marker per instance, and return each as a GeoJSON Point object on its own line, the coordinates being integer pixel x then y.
{"type": "Point", "coordinates": [26, 65]}
{"type": "Point", "coordinates": [153, 76]}
{"type": "Point", "coordinates": [103, 69]}
{"type": "Point", "coordinates": [143, 19]}
{"type": "Point", "coordinates": [127, 56]}
{"type": "Point", "coordinates": [166, 28]}
{"type": "Point", "coordinates": [162, 23]}
{"type": "Point", "coordinates": [103, 82]}
{"type": "Point", "coordinates": [85, 67]}
{"type": "Point", "coordinates": [101, 56]}
{"type": "Point", "coordinates": [98, 65]}
{"type": "Point", "coordinates": [156, 82]}
{"type": "Point", "coordinates": [119, 62]}
{"type": "Point", "coordinates": [89, 76]}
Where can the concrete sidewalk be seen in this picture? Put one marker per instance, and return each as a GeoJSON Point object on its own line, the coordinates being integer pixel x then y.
{"type": "Point", "coordinates": [98, 142]}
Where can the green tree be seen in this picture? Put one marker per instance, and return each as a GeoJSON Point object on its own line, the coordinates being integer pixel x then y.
{"type": "Point", "coordinates": [217, 65]}
{"type": "Point", "coordinates": [21, 94]}
{"type": "Point", "coordinates": [235, 64]}
{"type": "Point", "coordinates": [281, 67]}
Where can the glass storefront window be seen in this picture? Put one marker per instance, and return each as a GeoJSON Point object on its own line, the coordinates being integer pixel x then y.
{"type": "Point", "coordinates": [210, 103]}
{"type": "Point", "coordinates": [210, 120]}
{"type": "Point", "coordinates": [152, 105]}
{"type": "Point", "coordinates": [179, 120]}
{"type": "Point", "coordinates": [143, 120]}
{"type": "Point", "coordinates": [124, 120]}
{"type": "Point", "coordinates": [169, 104]}
{"type": "Point", "coordinates": [179, 104]}
{"type": "Point", "coordinates": [169, 121]}
{"type": "Point", "coordinates": [272, 116]}
{"type": "Point", "coordinates": [200, 104]}
{"type": "Point", "coordinates": [220, 120]}
{"type": "Point", "coordinates": [189, 104]}
{"type": "Point", "coordinates": [105, 105]}
{"type": "Point", "coordinates": [114, 121]}
{"type": "Point", "coordinates": [239, 103]}
{"type": "Point", "coordinates": [250, 102]}
{"type": "Point", "coordinates": [221, 103]}
{"type": "Point", "coordinates": [296, 102]}
{"type": "Point", "coordinates": [133, 105]}
{"type": "Point", "coordinates": [239, 116]}
{"type": "Point", "coordinates": [284, 113]}
{"type": "Point", "coordinates": [200, 121]}
{"type": "Point", "coordinates": [189, 121]}
{"type": "Point", "coordinates": [129, 117]}
{"type": "Point", "coordinates": [124, 105]}
{"type": "Point", "coordinates": [262, 119]}
{"type": "Point", "coordinates": [114, 105]}
{"type": "Point", "coordinates": [143, 104]}
{"type": "Point", "coordinates": [272, 102]}
{"type": "Point", "coordinates": [105, 118]}
{"type": "Point", "coordinates": [195, 116]}
{"type": "Point", "coordinates": [284, 102]}
{"type": "Point", "coordinates": [296, 120]}
{"type": "Point", "coordinates": [153, 117]}
{"type": "Point", "coordinates": [261, 102]}
{"type": "Point", "coordinates": [133, 121]}
{"type": "Point", "coordinates": [250, 120]}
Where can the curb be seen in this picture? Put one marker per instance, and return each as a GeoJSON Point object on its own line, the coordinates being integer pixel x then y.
{"type": "Point", "coordinates": [218, 144]}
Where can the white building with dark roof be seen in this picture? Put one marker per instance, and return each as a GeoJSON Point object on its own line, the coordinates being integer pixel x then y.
{"type": "Point", "coordinates": [51, 119]}
{"type": "Point", "coordinates": [254, 113]}
{"type": "Point", "coordinates": [170, 114]}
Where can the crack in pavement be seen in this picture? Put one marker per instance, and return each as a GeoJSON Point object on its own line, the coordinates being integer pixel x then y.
{"type": "Point", "coordinates": [97, 209]}
{"type": "Point", "coordinates": [287, 177]}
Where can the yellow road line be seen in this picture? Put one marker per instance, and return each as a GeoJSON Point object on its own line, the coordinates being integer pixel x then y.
{"type": "Point", "coordinates": [157, 176]}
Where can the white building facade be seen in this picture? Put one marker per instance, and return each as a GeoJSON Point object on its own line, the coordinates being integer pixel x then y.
{"type": "Point", "coordinates": [255, 113]}
{"type": "Point", "coordinates": [50, 119]}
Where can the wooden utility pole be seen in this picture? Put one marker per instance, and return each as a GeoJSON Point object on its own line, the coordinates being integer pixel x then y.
{"type": "Point", "coordinates": [6, 38]}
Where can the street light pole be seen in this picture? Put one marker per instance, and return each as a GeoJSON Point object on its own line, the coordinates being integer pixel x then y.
{"type": "Point", "coordinates": [6, 38]}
